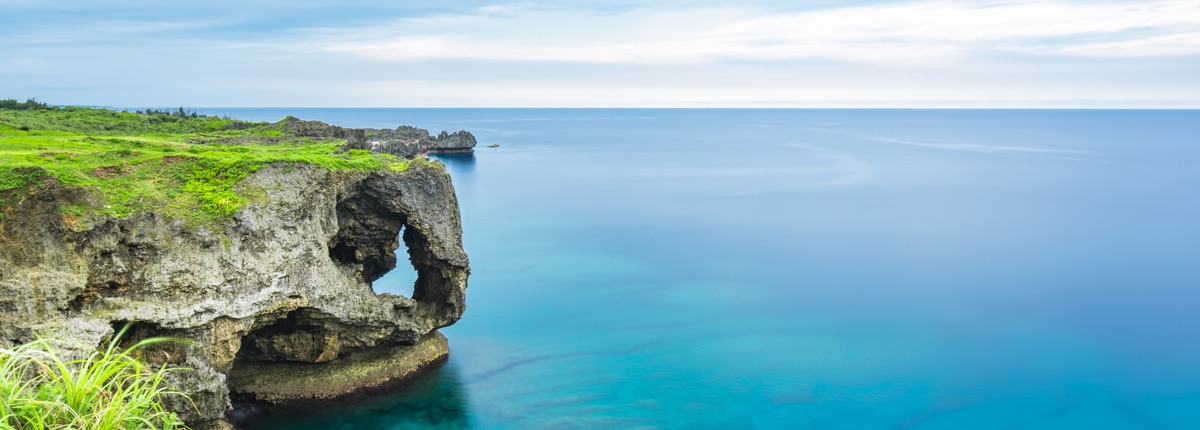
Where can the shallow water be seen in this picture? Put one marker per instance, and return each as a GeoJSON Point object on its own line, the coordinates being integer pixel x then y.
{"type": "Point", "coordinates": [841, 269]}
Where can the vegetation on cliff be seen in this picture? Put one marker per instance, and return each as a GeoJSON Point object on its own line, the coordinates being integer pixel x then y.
{"type": "Point", "coordinates": [109, 389]}
{"type": "Point", "coordinates": [176, 163]}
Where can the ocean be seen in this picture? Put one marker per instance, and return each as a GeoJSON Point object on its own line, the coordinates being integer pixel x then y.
{"type": "Point", "coordinates": [810, 269]}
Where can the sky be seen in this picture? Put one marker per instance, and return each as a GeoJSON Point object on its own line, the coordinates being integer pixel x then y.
{"type": "Point", "coordinates": [589, 53]}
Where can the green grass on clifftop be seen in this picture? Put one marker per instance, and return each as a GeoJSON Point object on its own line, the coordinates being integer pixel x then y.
{"type": "Point", "coordinates": [170, 163]}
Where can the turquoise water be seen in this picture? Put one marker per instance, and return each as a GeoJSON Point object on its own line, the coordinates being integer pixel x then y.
{"type": "Point", "coordinates": [824, 269]}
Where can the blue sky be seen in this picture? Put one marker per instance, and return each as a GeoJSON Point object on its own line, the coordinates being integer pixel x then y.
{"type": "Point", "coordinates": [666, 53]}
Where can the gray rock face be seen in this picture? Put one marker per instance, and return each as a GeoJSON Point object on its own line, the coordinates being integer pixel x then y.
{"type": "Point", "coordinates": [287, 281]}
{"type": "Point", "coordinates": [459, 141]}
{"type": "Point", "coordinates": [406, 141]}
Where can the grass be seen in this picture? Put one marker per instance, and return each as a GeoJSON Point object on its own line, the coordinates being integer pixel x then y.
{"type": "Point", "coordinates": [109, 389]}
{"type": "Point", "coordinates": [157, 161]}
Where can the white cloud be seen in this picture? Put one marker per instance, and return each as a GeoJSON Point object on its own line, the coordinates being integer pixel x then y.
{"type": "Point", "coordinates": [975, 21]}
{"type": "Point", "coordinates": [972, 53]}
{"type": "Point", "coordinates": [1165, 45]}
{"type": "Point", "coordinates": [915, 33]}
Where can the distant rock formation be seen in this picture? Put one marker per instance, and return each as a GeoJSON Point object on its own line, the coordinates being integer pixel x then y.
{"type": "Point", "coordinates": [403, 141]}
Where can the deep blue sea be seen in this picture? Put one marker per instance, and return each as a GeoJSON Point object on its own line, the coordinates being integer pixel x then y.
{"type": "Point", "coordinates": [811, 269]}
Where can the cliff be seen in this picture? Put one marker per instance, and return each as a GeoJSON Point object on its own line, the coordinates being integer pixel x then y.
{"type": "Point", "coordinates": [275, 301]}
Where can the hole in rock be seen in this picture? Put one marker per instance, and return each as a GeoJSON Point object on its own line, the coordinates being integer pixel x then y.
{"type": "Point", "coordinates": [297, 337]}
{"type": "Point", "coordinates": [375, 239]}
{"type": "Point", "coordinates": [400, 280]}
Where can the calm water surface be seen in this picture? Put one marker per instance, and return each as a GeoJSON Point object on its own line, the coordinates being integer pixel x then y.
{"type": "Point", "coordinates": [825, 269]}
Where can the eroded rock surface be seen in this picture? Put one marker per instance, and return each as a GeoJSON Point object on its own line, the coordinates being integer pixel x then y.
{"type": "Point", "coordinates": [285, 283]}
{"type": "Point", "coordinates": [406, 140]}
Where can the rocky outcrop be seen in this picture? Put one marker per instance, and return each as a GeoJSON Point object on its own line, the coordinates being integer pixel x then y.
{"type": "Point", "coordinates": [282, 288]}
{"type": "Point", "coordinates": [458, 142]}
{"type": "Point", "coordinates": [292, 126]}
{"type": "Point", "coordinates": [406, 140]}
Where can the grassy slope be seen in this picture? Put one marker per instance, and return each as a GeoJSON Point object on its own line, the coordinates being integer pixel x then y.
{"type": "Point", "coordinates": [140, 162]}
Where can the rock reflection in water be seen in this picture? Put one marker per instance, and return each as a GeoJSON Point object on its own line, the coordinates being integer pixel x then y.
{"type": "Point", "coordinates": [460, 164]}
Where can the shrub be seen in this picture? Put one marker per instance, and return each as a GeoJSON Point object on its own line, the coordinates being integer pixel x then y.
{"type": "Point", "coordinates": [30, 104]}
{"type": "Point", "coordinates": [109, 389]}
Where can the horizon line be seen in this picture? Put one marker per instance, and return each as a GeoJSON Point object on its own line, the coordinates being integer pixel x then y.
{"type": "Point", "coordinates": [831, 107]}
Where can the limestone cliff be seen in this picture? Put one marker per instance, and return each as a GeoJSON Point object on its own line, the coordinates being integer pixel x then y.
{"type": "Point", "coordinates": [283, 286]}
